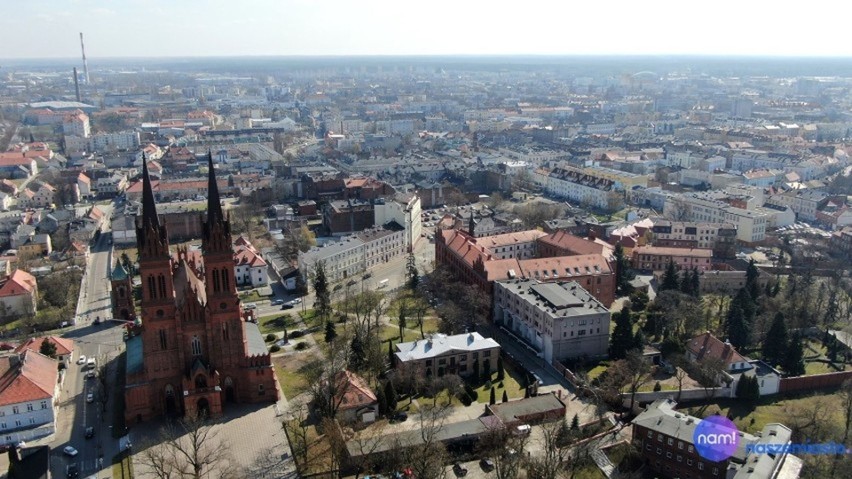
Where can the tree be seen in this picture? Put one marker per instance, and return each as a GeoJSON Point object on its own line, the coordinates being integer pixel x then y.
{"type": "Point", "coordinates": [390, 396]}
{"type": "Point", "coordinates": [621, 340]}
{"type": "Point", "coordinates": [505, 397]}
{"type": "Point", "coordinates": [412, 275]}
{"type": "Point", "coordinates": [638, 300]}
{"type": "Point", "coordinates": [575, 423]}
{"type": "Point", "coordinates": [623, 274]}
{"type": "Point", "coordinates": [327, 384]}
{"type": "Point", "coordinates": [401, 320]}
{"type": "Point", "coordinates": [775, 344]}
{"type": "Point", "coordinates": [680, 363]}
{"type": "Point", "coordinates": [382, 400]}
{"type": "Point", "coordinates": [846, 403]}
{"type": "Point", "coordinates": [190, 448]}
{"type": "Point", "coordinates": [548, 463]}
{"type": "Point", "coordinates": [748, 388]}
{"type": "Point", "coordinates": [670, 277]}
{"type": "Point", "coordinates": [752, 275]}
{"type": "Point", "coordinates": [322, 303]}
{"type": "Point", "coordinates": [330, 331]}
{"type": "Point", "coordinates": [48, 348]}
{"type": "Point", "coordinates": [737, 327]}
{"type": "Point", "coordinates": [638, 373]}
{"type": "Point", "coordinates": [426, 454]}
{"type": "Point", "coordinates": [793, 362]}
{"type": "Point", "coordinates": [504, 449]}
{"type": "Point", "coordinates": [501, 374]}
{"type": "Point", "coordinates": [493, 399]}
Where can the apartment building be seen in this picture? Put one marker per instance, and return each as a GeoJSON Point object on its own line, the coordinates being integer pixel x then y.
{"type": "Point", "coordinates": [664, 438]}
{"type": "Point", "coordinates": [77, 124]}
{"type": "Point", "coordinates": [719, 237]}
{"type": "Point", "coordinates": [404, 209]}
{"type": "Point", "coordinates": [462, 354]}
{"type": "Point", "coordinates": [353, 255]}
{"type": "Point", "coordinates": [580, 187]}
{"type": "Point", "coordinates": [805, 203]}
{"type": "Point", "coordinates": [250, 269]}
{"type": "Point", "coordinates": [559, 320]}
{"type": "Point", "coordinates": [29, 389]}
{"type": "Point", "coordinates": [562, 243]}
{"type": "Point", "coordinates": [701, 207]}
{"type": "Point", "coordinates": [656, 258]}
{"type": "Point", "coordinates": [841, 241]}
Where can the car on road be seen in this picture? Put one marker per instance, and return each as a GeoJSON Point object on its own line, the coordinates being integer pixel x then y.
{"type": "Point", "coordinates": [250, 306]}
{"type": "Point", "coordinates": [399, 417]}
{"type": "Point", "coordinates": [72, 471]}
{"type": "Point", "coordinates": [460, 469]}
{"type": "Point", "coordinates": [90, 432]}
{"type": "Point", "coordinates": [276, 302]}
{"type": "Point", "coordinates": [69, 451]}
{"type": "Point", "coordinates": [90, 397]}
{"type": "Point", "coordinates": [487, 465]}
{"type": "Point", "coordinates": [81, 359]}
{"type": "Point", "coordinates": [287, 305]}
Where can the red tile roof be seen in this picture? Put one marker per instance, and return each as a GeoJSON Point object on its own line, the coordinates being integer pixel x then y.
{"type": "Point", "coordinates": [668, 251]}
{"type": "Point", "coordinates": [246, 254]}
{"type": "Point", "coordinates": [708, 346]}
{"type": "Point", "coordinates": [33, 377]}
{"type": "Point", "coordinates": [19, 282]}
{"type": "Point", "coordinates": [356, 393]}
{"type": "Point", "coordinates": [575, 244]}
{"type": "Point", "coordinates": [64, 346]}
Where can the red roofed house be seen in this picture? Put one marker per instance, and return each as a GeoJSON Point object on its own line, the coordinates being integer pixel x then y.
{"type": "Point", "coordinates": [356, 401]}
{"type": "Point", "coordinates": [708, 346]}
{"type": "Point", "coordinates": [64, 346]}
{"type": "Point", "coordinates": [29, 389]}
{"type": "Point", "coordinates": [18, 294]}
{"type": "Point", "coordinates": [249, 267]}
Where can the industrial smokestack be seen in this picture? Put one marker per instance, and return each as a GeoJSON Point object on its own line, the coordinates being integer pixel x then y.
{"type": "Point", "coordinates": [85, 65]}
{"type": "Point", "coordinates": [76, 85]}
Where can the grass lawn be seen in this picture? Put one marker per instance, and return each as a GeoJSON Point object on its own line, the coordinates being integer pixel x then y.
{"type": "Point", "coordinates": [766, 411]}
{"type": "Point", "coordinates": [597, 370]}
{"type": "Point", "coordinates": [512, 381]}
{"type": "Point", "coordinates": [287, 368]}
{"type": "Point", "coordinates": [663, 387]}
{"type": "Point", "coordinates": [270, 324]}
{"type": "Point", "coordinates": [250, 296]}
{"type": "Point", "coordinates": [310, 318]}
{"type": "Point", "coordinates": [122, 467]}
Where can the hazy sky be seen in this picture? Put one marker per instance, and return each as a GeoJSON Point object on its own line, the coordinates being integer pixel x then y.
{"type": "Point", "coordinates": [155, 28]}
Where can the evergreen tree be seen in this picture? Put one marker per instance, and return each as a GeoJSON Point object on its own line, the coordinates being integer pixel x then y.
{"type": "Point", "coordinates": [322, 302]}
{"type": "Point", "coordinates": [382, 400]}
{"type": "Point", "coordinates": [775, 345]}
{"type": "Point", "coordinates": [47, 348]}
{"type": "Point", "coordinates": [356, 353]}
{"type": "Point", "coordinates": [330, 331]}
{"type": "Point", "coordinates": [390, 396]}
{"type": "Point", "coordinates": [737, 328]}
{"type": "Point", "coordinates": [794, 362]}
{"type": "Point", "coordinates": [670, 277]}
{"type": "Point", "coordinates": [685, 283]}
{"type": "Point", "coordinates": [622, 339]}
{"type": "Point", "coordinates": [623, 274]}
{"type": "Point", "coordinates": [505, 396]}
{"type": "Point", "coordinates": [695, 280]}
{"type": "Point", "coordinates": [638, 340]}
{"type": "Point", "coordinates": [391, 356]}
{"type": "Point", "coordinates": [412, 276]}
{"type": "Point", "coordinates": [748, 388]}
{"type": "Point", "coordinates": [501, 374]}
{"type": "Point", "coordinates": [493, 399]}
{"type": "Point", "coordinates": [752, 275]}
{"type": "Point", "coordinates": [575, 423]}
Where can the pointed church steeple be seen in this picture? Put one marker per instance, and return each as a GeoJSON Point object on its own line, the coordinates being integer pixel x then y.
{"type": "Point", "coordinates": [214, 207]}
{"type": "Point", "coordinates": [149, 208]}
{"type": "Point", "coordinates": [217, 229]}
{"type": "Point", "coordinates": [151, 236]}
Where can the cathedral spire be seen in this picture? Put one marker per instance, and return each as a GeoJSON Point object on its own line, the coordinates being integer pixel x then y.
{"type": "Point", "coordinates": [214, 207]}
{"type": "Point", "coordinates": [149, 208]}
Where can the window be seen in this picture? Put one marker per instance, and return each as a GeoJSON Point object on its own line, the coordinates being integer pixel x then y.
{"type": "Point", "coordinates": [260, 390]}
{"type": "Point", "coordinates": [648, 447]}
{"type": "Point", "coordinates": [668, 455]}
{"type": "Point", "coordinates": [15, 410]}
{"type": "Point", "coordinates": [32, 420]}
{"type": "Point", "coordinates": [3, 426]}
{"type": "Point", "coordinates": [690, 449]}
{"type": "Point", "coordinates": [671, 441]}
{"type": "Point", "coordinates": [30, 407]}
{"type": "Point", "coordinates": [44, 404]}
{"type": "Point", "coordinates": [659, 451]}
{"type": "Point", "coordinates": [196, 346]}
{"type": "Point", "coordinates": [679, 458]}
{"type": "Point", "coordinates": [650, 434]}
{"type": "Point", "coordinates": [163, 342]}
{"type": "Point", "coordinates": [689, 462]}
{"type": "Point", "coordinates": [17, 423]}
{"type": "Point", "coordinates": [700, 466]}
{"type": "Point", "coordinates": [715, 471]}
{"type": "Point", "coordinates": [659, 438]}
{"type": "Point", "coordinates": [680, 445]}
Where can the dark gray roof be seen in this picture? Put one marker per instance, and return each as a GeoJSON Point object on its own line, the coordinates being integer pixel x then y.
{"type": "Point", "coordinates": [512, 411]}
{"type": "Point", "coordinates": [411, 438]}
{"type": "Point", "coordinates": [254, 340]}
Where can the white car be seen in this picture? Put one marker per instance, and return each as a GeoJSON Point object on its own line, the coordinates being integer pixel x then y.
{"type": "Point", "coordinates": [70, 451]}
{"type": "Point", "coordinates": [90, 397]}
{"type": "Point", "coordinates": [81, 359]}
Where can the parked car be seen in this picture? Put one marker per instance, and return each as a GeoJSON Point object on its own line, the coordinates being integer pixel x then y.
{"type": "Point", "coordinates": [72, 471]}
{"type": "Point", "coordinates": [90, 397]}
{"type": "Point", "coordinates": [69, 451]}
{"type": "Point", "coordinates": [81, 359]}
{"type": "Point", "coordinates": [486, 464]}
{"type": "Point", "coordinates": [276, 302]}
{"type": "Point", "coordinates": [460, 469]}
{"type": "Point", "coordinates": [250, 306]}
{"type": "Point", "coordinates": [90, 432]}
{"type": "Point", "coordinates": [287, 306]}
{"type": "Point", "coordinates": [399, 417]}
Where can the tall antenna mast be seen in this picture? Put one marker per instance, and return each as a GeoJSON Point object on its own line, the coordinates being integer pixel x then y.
{"type": "Point", "coordinates": [85, 65]}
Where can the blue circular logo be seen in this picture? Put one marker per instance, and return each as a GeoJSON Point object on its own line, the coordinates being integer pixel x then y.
{"type": "Point", "coordinates": [716, 438]}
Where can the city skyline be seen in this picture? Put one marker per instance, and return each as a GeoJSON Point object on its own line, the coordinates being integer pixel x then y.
{"type": "Point", "coordinates": [155, 28]}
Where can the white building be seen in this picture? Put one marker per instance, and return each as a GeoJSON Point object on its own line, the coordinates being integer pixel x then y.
{"type": "Point", "coordinates": [580, 187]}
{"type": "Point", "coordinates": [249, 267]}
{"type": "Point", "coordinates": [751, 225]}
{"type": "Point", "coordinates": [404, 209]}
{"type": "Point", "coordinates": [462, 354]}
{"type": "Point", "coordinates": [30, 388]}
{"type": "Point", "coordinates": [558, 320]}
{"type": "Point", "coordinates": [342, 259]}
{"type": "Point", "coordinates": [105, 142]}
{"type": "Point", "coordinates": [76, 124]}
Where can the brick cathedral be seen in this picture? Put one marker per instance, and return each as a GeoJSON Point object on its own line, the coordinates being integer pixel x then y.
{"type": "Point", "coordinates": [193, 350]}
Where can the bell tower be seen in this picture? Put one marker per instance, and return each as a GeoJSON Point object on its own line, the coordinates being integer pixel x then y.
{"type": "Point", "coordinates": [122, 293]}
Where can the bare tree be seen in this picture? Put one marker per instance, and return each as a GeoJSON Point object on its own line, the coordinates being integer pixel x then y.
{"type": "Point", "coordinates": [190, 448]}
{"type": "Point", "coordinates": [504, 449]}
{"type": "Point", "coordinates": [327, 384]}
{"type": "Point", "coordinates": [428, 456]}
{"type": "Point", "coordinates": [549, 463]}
{"type": "Point", "coordinates": [296, 427]}
{"type": "Point", "coordinates": [678, 361]}
{"type": "Point", "coordinates": [679, 210]}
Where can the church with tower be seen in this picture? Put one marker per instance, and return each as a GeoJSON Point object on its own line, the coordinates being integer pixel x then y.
{"type": "Point", "coordinates": [193, 350]}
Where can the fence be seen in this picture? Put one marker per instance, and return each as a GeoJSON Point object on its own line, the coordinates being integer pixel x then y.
{"type": "Point", "coordinates": [566, 373]}
{"type": "Point", "coordinates": [817, 381]}
{"type": "Point", "coordinates": [685, 395]}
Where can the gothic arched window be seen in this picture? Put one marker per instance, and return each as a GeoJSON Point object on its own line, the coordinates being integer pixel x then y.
{"type": "Point", "coordinates": [196, 346]}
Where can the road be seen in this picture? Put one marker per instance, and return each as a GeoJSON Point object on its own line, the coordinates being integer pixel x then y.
{"type": "Point", "coordinates": [103, 342]}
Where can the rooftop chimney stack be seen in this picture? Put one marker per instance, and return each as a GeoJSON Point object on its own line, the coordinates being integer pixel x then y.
{"type": "Point", "coordinates": [85, 65]}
